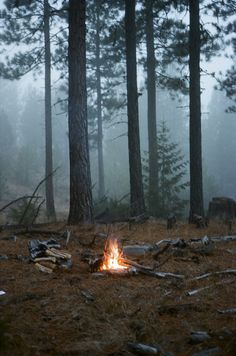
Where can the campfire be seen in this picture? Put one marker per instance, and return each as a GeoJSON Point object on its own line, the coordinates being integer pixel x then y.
{"type": "Point", "coordinates": [113, 254]}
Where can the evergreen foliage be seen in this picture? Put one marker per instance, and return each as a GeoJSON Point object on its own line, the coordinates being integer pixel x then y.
{"type": "Point", "coordinates": [171, 176]}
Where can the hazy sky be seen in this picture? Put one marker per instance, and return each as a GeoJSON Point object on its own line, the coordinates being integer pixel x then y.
{"type": "Point", "coordinates": [216, 64]}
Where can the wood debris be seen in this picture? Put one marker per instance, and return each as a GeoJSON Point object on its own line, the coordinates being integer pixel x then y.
{"type": "Point", "coordinates": [196, 291]}
{"type": "Point", "coordinates": [227, 311]}
{"type": "Point", "coordinates": [206, 275]}
{"type": "Point", "coordinates": [58, 254]}
{"type": "Point", "coordinates": [42, 268]}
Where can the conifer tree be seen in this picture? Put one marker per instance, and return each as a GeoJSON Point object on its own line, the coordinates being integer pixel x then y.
{"type": "Point", "coordinates": [171, 175]}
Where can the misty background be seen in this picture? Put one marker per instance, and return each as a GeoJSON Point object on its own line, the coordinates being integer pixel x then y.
{"type": "Point", "coordinates": [22, 138]}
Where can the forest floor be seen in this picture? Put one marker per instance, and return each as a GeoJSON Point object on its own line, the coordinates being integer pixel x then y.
{"type": "Point", "coordinates": [74, 312]}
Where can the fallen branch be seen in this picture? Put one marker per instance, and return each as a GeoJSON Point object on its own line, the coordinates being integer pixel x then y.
{"type": "Point", "coordinates": [206, 275]}
{"type": "Point", "coordinates": [149, 271]}
{"type": "Point", "coordinates": [195, 291]}
{"type": "Point", "coordinates": [227, 311]}
{"type": "Point", "coordinates": [158, 253]}
{"type": "Point", "coordinates": [135, 264]}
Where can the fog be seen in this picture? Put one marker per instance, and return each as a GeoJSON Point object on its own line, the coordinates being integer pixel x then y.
{"type": "Point", "coordinates": [22, 138]}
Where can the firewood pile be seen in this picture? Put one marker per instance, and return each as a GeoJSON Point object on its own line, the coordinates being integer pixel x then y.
{"type": "Point", "coordinates": [48, 256]}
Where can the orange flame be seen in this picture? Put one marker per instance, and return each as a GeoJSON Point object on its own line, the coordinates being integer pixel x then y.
{"type": "Point", "coordinates": [112, 255]}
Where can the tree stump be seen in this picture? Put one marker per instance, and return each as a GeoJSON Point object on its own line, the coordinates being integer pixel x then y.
{"type": "Point", "coordinates": [222, 208]}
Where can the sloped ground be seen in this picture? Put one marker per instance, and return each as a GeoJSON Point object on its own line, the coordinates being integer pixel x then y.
{"type": "Point", "coordinates": [76, 313]}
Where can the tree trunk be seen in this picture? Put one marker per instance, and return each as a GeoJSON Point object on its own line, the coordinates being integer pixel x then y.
{"type": "Point", "coordinates": [151, 94]}
{"type": "Point", "coordinates": [48, 117]}
{"type": "Point", "coordinates": [196, 191]}
{"type": "Point", "coordinates": [81, 207]}
{"type": "Point", "coordinates": [137, 205]}
{"type": "Point", "coordinates": [101, 183]}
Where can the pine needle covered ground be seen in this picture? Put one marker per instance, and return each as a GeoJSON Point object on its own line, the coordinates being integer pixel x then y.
{"type": "Point", "coordinates": [76, 313]}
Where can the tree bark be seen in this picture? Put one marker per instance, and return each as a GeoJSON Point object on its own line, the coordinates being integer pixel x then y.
{"type": "Point", "coordinates": [101, 182]}
{"type": "Point", "coordinates": [50, 208]}
{"type": "Point", "coordinates": [196, 191]}
{"type": "Point", "coordinates": [137, 205]}
{"type": "Point", "coordinates": [81, 206]}
{"type": "Point", "coordinates": [151, 96]}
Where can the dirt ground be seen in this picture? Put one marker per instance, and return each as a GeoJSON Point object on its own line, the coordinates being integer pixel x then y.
{"type": "Point", "coordinates": [74, 312]}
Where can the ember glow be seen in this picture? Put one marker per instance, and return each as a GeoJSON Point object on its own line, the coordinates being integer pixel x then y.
{"type": "Point", "coordinates": [112, 255]}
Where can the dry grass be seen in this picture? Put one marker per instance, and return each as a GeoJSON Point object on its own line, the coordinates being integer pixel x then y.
{"type": "Point", "coordinates": [50, 315]}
